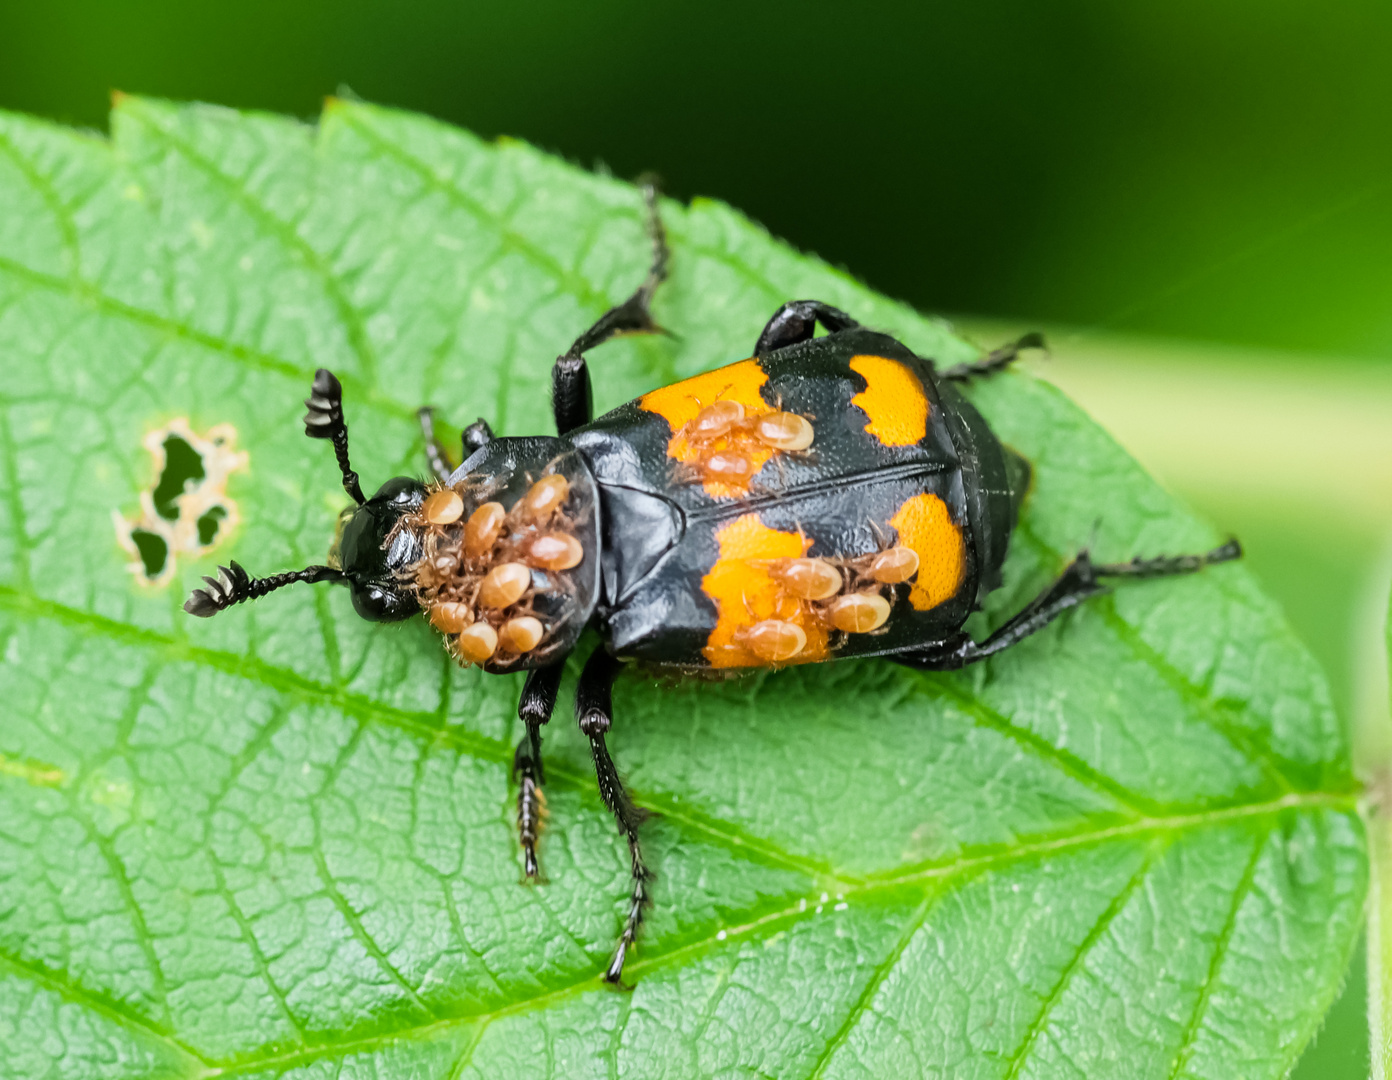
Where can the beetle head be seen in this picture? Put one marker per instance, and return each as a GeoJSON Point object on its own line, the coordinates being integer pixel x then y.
{"type": "Point", "coordinates": [370, 554]}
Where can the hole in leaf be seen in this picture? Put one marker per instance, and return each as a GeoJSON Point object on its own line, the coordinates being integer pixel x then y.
{"type": "Point", "coordinates": [182, 464]}
{"type": "Point", "coordinates": [153, 551]}
{"type": "Point", "coordinates": [209, 524]}
{"type": "Point", "coordinates": [186, 511]}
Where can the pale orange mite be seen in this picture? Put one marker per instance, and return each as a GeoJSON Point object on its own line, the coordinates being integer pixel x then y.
{"type": "Point", "coordinates": [520, 635]}
{"type": "Point", "coordinates": [859, 613]}
{"type": "Point", "coordinates": [444, 507]}
{"type": "Point", "coordinates": [449, 618]}
{"type": "Point", "coordinates": [481, 533]}
{"type": "Point", "coordinates": [555, 551]}
{"type": "Point", "coordinates": [477, 643]}
{"type": "Point", "coordinates": [504, 585]}
{"type": "Point", "coordinates": [546, 495]}
{"type": "Point", "coordinates": [896, 565]}
{"type": "Point", "coordinates": [775, 641]}
{"type": "Point", "coordinates": [811, 579]}
{"type": "Point", "coordinates": [785, 431]}
{"type": "Point", "coordinates": [715, 420]}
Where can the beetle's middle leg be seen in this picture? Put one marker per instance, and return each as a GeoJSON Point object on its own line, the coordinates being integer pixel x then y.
{"type": "Point", "coordinates": [1080, 580]}
{"type": "Point", "coordinates": [594, 710]}
{"type": "Point", "coordinates": [571, 399]}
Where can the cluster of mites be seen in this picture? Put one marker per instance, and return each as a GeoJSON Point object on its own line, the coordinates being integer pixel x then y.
{"type": "Point", "coordinates": [728, 444]}
{"type": "Point", "coordinates": [835, 594]}
{"type": "Point", "coordinates": [475, 579]}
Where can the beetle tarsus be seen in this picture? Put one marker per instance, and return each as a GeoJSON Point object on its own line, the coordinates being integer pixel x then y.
{"type": "Point", "coordinates": [594, 712]}
{"type": "Point", "coordinates": [1170, 565]}
{"type": "Point", "coordinates": [996, 360]}
{"type": "Point", "coordinates": [530, 808]}
{"type": "Point", "coordinates": [534, 708]}
{"type": "Point", "coordinates": [638, 902]}
{"type": "Point", "coordinates": [434, 450]}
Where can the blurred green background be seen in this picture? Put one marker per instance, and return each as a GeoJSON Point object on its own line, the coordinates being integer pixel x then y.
{"type": "Point", "coordinates": [1195, 199]}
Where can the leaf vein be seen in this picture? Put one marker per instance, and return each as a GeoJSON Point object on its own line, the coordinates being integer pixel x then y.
{"type": "Point", "coordinates": [878, 975]}
{"type": "Point", "coordinates": [1220, 951]}
{"type": "Point", "coordinates": [62, 216]}
{"type": "Point", "coordinates": [349, 317]}
{"type": "Point", "coordinates": [1018, 1057]}
{"type": "Point", "coordinates": [110, 1009]}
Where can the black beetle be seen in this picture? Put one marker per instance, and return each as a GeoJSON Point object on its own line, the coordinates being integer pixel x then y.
{"type": "Point", "coordinates": [829, 497]}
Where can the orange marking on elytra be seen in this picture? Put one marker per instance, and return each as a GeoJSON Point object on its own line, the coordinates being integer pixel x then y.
{"type": "Point", "coordinates": [893, 399]}
{"type": "Point", "coordinates": [745, 593]}
{"type": "Point", "coordinates": [926, 527]}
{"type": "Point", "coordinates": [680, 403]}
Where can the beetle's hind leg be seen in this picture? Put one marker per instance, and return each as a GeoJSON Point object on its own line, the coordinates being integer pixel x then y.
{"type": "Point", "coordinates": [594, 711]}
{"type": "Point", "coordinates": [996, 360]}
{"type": "Point", "coordinates": [571, 400]}
{"type": "Point", "coordinates": [1082, 578]}
{"type": "Point", "coordinates": [535, 707]}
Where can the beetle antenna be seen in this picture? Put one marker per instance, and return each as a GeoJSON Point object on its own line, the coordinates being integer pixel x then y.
{"type": "Point", "coordinates": [325, 421]}
{"type": "Point", "coordinates": [233, 585]}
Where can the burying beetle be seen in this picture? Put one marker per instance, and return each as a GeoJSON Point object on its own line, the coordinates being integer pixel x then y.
{"type": "Point", "coordinates": [827, 498]}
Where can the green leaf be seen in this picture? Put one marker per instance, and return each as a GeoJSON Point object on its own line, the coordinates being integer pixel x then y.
{"type": "Point", "coordinates": [1380, 913]}
{"type": "Point", "coordinates": [280, 843]}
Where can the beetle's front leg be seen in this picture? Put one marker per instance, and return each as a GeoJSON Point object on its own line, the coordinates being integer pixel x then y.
{"type": "Point", "coordinates": [534, 708]}
{"type": "Point", "coordinates": [571, 399]}
{"type": "Point", "coordinates": [594, 711]}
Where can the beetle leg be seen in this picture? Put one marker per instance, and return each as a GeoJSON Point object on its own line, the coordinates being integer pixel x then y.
{"type": "Point", "coordinates": [476, 436]}
{"type": "Point", "coordinates": [571, 399]}
{"type": "Point", "coordinates": [594, 711]}
{"type": "Point", "coordinates": [796, 321]}
{"type": "Point", "coordinates": [434, 451]}
{"type": "Point", "coordinates": [537, 701]}
{"type": "Point", "coordinates": [996, 360]}
{"type": "Point", "coordinates": [1080, 580]}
